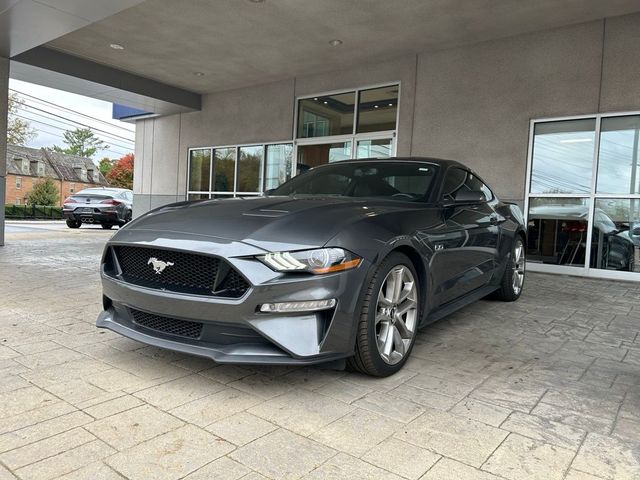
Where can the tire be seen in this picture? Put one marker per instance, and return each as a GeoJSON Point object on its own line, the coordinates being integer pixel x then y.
{"type": "Point", "coordinates": [127, 219]}
{"type": "Point", "coordinates": [71, 223]}
{"type": "Point", "coordinates": [106, 226]}
{"type": "Point", "coordinates": [380, 323]}
{"type": "Point", "coordinates": [514, 274]}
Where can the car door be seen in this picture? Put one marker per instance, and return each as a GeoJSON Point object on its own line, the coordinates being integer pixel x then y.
{"type": "Point", "coordinates": [466, 243]}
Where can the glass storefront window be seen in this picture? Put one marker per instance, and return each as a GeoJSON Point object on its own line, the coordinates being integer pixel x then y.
{"type": "Point", "coordinates": [224, 166]}
{"type": "Point", "coordinates": [250, 168]}
{"type": "Point", "coordinates": [557, 230]}
{"type": "Point", "coordinates": [616, 234]}
{"type": "Point", "coordinates": [563, 156]}
{"type": "Point", "coordinates": [326, 115]}
{"type": "Point", "coordinates": [200, 170]}
{"type": "Point", "coordinates": [377, 109]}
{"type": "Point", "coordinates": [381, 148]}
{"type": "Point", "coordinates": [278, 165]}
{"type": "Point", "coordinates": [220, 172]}
{"type": "Point", "coordinates": [198, 196]}
{"type": "Point", "coordinates": [310, 156]}
{"type": "Point", "coordinates": [618, 163]}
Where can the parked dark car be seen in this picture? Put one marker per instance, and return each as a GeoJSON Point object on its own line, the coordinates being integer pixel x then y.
{"type": "Point", "coordinates": [347, 260]}
{"type": "Point", "coordinates": [106, 206]}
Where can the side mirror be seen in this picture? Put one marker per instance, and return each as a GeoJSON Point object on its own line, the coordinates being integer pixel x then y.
{"type": "Point", "coordinates": [467, 197]}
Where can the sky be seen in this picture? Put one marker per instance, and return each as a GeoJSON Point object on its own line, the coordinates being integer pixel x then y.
{"type": "Point", "coordinates": [49, 113]}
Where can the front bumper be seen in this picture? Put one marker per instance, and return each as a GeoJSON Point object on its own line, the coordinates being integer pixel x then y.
{"type": "Point", "coordinates": [233, 330]}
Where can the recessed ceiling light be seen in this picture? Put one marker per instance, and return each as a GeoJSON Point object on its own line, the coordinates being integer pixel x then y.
{"type": "Point", "coordinates": [315, 98]}
{"type": "Point", "coordinates": [198, 74]}
{"type": "Point", "coordinates": [375, 106]}
{"type": "Point", "coordinates": [335, 42]}
{"type": "Point", "coordinates": [325, 102]}
{"type": "Point", "coordinates": [391, 104]}
{"type": "Point", "coordinates": [117, 46]}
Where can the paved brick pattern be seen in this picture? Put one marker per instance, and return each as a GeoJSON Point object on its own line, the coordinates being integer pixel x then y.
{"type": "Point", "coordinates": [545, 388]}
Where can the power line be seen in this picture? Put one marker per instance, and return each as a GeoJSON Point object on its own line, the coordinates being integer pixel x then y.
{"type": "Point", "coordinates": [76, 122]}
{"type": "Point", "coordinates": [60, 136]}
{"type": "Point", "coordinates": [60, 128]}
{"type": "Point", "coordinates": [109, 138]}
{"type": "Point", "coordinates": [71, 110]}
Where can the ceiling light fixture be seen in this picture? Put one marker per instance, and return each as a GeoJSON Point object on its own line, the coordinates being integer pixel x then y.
{"type": "Point", "coordinates": [198, 74]}
{"type": "Point", "coordinates": [391, 104]}
{"type": "Point", "coordinates": [335, 42]}
{"type": "Point", "coordinates": [375, 106]}
{"type": "Point", "coordinates": [325, 102]}
{"type": "Point", "coordinates": [315, 98]}
{"type": "Point", "coordinates": [117, 46]}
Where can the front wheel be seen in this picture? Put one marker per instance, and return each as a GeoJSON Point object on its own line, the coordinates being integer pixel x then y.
{"type": "Point", "coordinates": [513, 278]}
{"type": "Point", "coordinates": [388, 319]}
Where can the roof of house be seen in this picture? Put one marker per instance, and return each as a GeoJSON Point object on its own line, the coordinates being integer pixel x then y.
{"type": "Point", "coordinates": [57, 165]}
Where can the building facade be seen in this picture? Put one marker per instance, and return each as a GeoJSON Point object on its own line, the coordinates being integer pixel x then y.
{"type": "Point", "coordinates": [26, 166]}
{"type": "Point", "coordinates": [550, 119]}
{"type": "Point", "coordinates": [540, 98]}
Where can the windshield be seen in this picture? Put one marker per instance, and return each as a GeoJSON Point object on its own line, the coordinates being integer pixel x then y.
{"type": "Point", "coordinates": [393, 180]}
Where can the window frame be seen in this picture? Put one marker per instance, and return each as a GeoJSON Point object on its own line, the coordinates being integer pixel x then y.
{"type": "Point", "coordinates": [353, 137]}
{"type": "Point", "coordinates": [234, 192]}
{"type": "Point", "coordinates": [468, 171]}
{"type": "Point", "coordinates": [18, 183]}
{"type": "Point", "coordinates": [585, 270]}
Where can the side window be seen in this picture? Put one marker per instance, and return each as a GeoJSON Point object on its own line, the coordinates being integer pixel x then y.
{"type": "Point", "coordinates": [453, 182]}
{"type": "Point", "coordinates": [458, 180]}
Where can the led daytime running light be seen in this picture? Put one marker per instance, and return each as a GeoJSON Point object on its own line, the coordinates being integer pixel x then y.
{"type": "Point", "coordinates": [306, 306]}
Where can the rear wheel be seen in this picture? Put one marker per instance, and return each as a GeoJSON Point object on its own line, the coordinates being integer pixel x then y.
{"type": "Point", "coordinates": [388, 319]}
{"type": "Point", "coordinates": [71, 223]}
{"type": "Point", "coordinates": [106, 226]}
{"type": "Point", "coordinates": [513, 278]}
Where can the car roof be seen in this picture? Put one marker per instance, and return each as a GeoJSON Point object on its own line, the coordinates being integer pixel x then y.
{"type": "Point", "coordinates": [117, 189]}
{"type": "Point", "coordinates": [438, 161]}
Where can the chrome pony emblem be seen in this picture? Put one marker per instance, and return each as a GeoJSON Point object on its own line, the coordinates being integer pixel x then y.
{"type": "Point", "coordinates": [158, 265]}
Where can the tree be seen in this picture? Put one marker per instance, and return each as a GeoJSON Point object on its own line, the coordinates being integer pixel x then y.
{"type": "Point", "coordinates": [121, 174]}
{"type": "Point", "coordinates": [19, 131]}
{"type": "Point", "coordinates": [105, 165]}
{"type": "Point", "coordinates": [44, 192]}
{"type": "Point", "coordinates": [81, 142]}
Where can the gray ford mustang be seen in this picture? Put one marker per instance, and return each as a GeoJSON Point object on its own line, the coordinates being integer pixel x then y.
{"type": "Point", "coordinates": [345, 261]}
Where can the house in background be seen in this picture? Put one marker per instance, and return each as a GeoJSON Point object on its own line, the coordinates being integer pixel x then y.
{"type": "Point", "coordinates": [25, 166]}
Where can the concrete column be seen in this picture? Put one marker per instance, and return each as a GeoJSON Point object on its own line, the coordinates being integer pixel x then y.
{"type": "Point", "coordinates": [4, 92]}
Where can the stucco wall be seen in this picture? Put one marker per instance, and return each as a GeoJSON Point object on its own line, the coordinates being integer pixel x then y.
{"type": "Point", "coordinates": [471, 103]}
{"type": "Point", "coordinates": [474, 104]}
{"type": "Point", "coordinates": [4, 86]}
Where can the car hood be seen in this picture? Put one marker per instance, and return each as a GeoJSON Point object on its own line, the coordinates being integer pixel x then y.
{"type": "Point", "coordinates": [269, 223]}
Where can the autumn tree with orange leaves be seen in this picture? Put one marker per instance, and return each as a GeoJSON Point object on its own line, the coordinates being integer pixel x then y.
{"type": "Point", "coordinates": [121, 174]}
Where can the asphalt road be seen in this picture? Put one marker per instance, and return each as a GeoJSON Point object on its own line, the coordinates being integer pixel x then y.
{"type": "Point", "coordinates": [46, 226]}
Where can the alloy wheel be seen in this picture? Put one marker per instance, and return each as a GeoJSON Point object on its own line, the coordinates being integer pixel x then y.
{"type": "Point", "coordinates": [396, 314]}
{"type": "Point", "coordinates": [518, 267]}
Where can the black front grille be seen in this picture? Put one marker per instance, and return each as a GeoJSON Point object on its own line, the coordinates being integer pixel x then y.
{"type": "Point", "coordinates": [179, 272]}
{"type": "Point", "coordinates": [170, 326]}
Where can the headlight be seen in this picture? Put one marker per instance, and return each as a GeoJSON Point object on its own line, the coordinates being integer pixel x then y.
{"type": "Point", "coordinates": [319, 261]}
